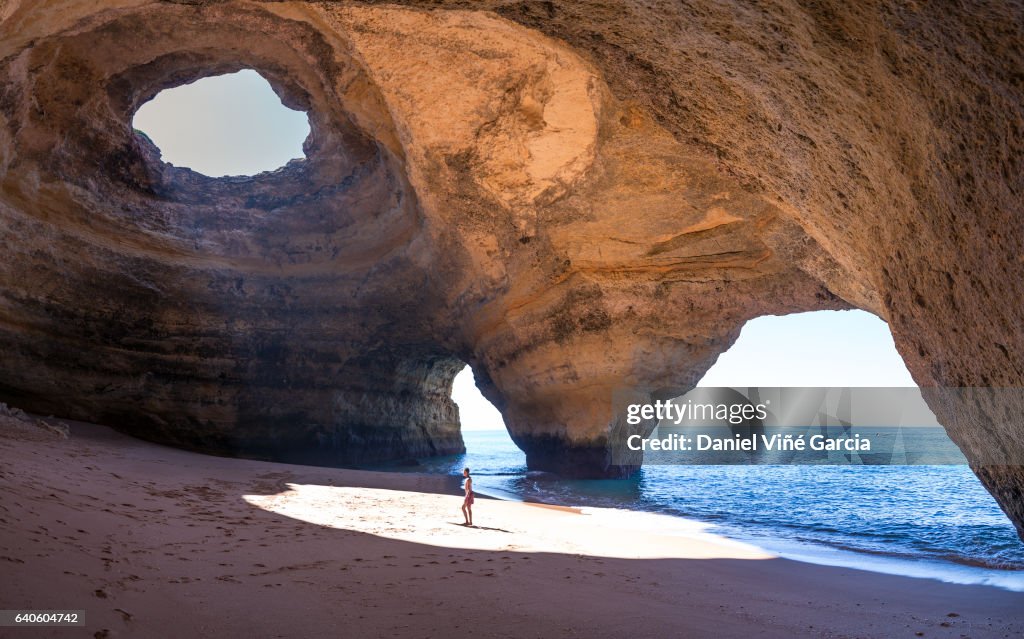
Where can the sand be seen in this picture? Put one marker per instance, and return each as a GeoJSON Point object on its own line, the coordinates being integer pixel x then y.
{"type": "Point", "coordinates": [152, 541]}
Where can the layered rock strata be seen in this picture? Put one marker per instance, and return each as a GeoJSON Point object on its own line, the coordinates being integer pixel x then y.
{"type": "Point", "coordinates": [575, 198]}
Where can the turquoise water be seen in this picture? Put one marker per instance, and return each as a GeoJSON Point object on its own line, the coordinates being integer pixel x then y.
{"type": "Point", "coordinates": [938, 514]}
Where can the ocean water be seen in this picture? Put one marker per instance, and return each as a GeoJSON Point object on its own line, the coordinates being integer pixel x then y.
{"type": "Point", "coordinates": [933, 521]}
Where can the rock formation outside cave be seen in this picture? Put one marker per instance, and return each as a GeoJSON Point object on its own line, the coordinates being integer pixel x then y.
{"type": "Point", "coordinates": [572, 199]}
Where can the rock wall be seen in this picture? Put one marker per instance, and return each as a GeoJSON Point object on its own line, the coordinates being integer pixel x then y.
{"type": "Point", "coordinates": [573, 197]}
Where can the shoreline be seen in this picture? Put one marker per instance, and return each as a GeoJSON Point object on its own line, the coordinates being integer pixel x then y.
{"type": "Point", "coordinates": [954, 570]}
{"type": "Point", "coordinates": [820, 554]}
{"type": "Point", "coordinates": [147, 538]}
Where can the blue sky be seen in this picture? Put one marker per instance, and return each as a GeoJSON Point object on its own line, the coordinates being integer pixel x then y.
{"type": "Point", "coordinates": [235, 125]}
{"type": "Point", "coordinates": [225, 125]}
{"type": "Point", "coordinates": [822, 348]}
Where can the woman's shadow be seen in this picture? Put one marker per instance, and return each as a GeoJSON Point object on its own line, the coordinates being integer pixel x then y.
{"type": "Point", "coordinates": [478, 527]}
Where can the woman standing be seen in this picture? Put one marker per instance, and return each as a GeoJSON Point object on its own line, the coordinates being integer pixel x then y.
{"type": "Point", "coordinates": [467, 503]}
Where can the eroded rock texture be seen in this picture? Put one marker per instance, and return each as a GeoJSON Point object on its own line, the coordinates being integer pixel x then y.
{"type": "Point", "coordinates": [574, 197]}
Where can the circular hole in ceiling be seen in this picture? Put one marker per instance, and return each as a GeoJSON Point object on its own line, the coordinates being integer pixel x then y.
{"type": "Point", "coordinates": [232, 124]}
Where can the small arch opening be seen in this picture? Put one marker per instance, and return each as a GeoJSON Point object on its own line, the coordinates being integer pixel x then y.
{"type": "Point", "coordinates": [490, 451]}
{"type": "Point", "coordinates": [475, 412]}
{"type": "Point", "coordinates": [225, 125]}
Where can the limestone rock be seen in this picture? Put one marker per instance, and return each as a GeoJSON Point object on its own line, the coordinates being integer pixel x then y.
{"type": "Point", "coordinates": [573, 197]}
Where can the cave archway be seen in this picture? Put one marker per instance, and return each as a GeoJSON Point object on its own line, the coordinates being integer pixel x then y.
{"type": "Point", "coordinates": [842, 349]}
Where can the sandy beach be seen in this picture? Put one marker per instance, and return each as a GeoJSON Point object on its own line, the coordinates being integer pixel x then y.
{"type": "Point", "coordinates": [153, 541]}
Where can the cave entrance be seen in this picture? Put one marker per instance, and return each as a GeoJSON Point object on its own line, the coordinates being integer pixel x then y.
{"type": "Point", "coordinates": [934, 512]}
{"type": "Point", "coordinates": [225, 125]}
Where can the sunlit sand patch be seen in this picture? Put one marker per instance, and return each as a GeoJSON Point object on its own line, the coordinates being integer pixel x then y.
{"type": "Point", "coordinates": [432, 519]}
